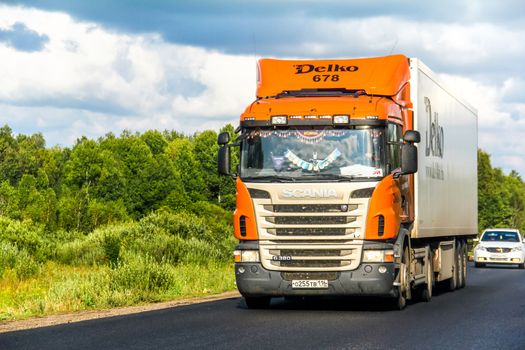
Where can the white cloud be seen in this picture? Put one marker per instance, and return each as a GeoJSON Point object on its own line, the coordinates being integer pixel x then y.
{"type": "Point", "coordinates": [501, 124]}
{"type": "Point", "coordinates": [99, 80]}
{"type": "Point", "coordinates": [88, 80]}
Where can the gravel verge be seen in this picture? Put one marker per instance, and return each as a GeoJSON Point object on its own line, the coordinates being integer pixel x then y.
{"type": "Point", "coordinates": [10, 326]}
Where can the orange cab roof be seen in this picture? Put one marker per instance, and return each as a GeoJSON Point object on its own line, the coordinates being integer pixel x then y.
{"type": "Point", "coordinates": [383, 76]}
{"type": "Point", "coordinates": [357, 108]}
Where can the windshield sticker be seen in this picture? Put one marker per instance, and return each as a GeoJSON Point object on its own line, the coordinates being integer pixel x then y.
{"type": "Point", "coordinates": [309, 136]}
{"type": "Point", "coordinates": [305, 136]}
{"type": "Point", "coordinates": [314, 164]}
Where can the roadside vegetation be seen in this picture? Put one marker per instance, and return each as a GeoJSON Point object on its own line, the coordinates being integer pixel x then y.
{"type": "Point", "coordinates": [114, 222]}
{"type": "Point", "coordinates": [137, 218]}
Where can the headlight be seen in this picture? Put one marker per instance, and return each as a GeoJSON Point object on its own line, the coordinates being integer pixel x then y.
{"type": "Point", "coordinates": [246, 256]}
{"type": "Point", "coordinates": [378, 256]}
{"type": "Point", "coordinates": [482, 248]}
{"type": "Point", "coordinates": [517, 249]}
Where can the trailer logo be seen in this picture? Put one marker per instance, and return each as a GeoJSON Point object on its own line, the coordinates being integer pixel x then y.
{"type": "Point", "coordinates": [435, 139]}
{"type": "Point", "coordinates": [308, 68]}
{"type": "Point", "coordinates": [310, 193]}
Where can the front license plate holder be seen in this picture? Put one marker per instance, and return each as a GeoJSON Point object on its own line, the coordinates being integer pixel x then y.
{"type": "Point", "coordinates": [309, 284]}
{"type": "Point", "coordinates": [498, 256]}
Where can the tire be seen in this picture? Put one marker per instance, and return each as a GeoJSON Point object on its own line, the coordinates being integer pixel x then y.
{"type": "Point", "coordinates": [399, 302]}
{"type": "Point", "coordinates": [521, 266]}
{"type": "Point", "coordinates": [257, 302]}
{"type": "Point", "coordinates": [426, 289]}
{"type": "Point", "coordinates": [452, 283]}
{"type": "Point", "coordinates": [477, 264]}
{"type": "Point", "coordinates": [464, 258]}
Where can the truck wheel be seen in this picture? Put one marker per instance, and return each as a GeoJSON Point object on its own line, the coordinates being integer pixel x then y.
{"type": "Point", "coordinates": [464, 259]}
{"type": "Point", "coordinates": [459, 264]}
{"type": "Point", "coordinates": [257, 302]}
{"type": "Point", "coordinates": [452, 283]}
{"type": "Point", "coordinates": [403, 290]}
{"type": "Point", "coordinates": [477, 264]}
{"type": "Point", "coordinates": [426, 289]}
{"type": "Point", "coordinates": [521, 266]}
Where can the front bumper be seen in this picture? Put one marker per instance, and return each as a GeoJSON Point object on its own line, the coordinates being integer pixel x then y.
{"type": "Point", "coordinates": [485, 257]}
{"type": "Point", "coordinates": [253, 280]}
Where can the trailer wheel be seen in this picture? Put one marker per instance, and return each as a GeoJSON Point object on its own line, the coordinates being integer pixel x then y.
{"type": "Point", "coordinates": [426, 289]}
{"type": "Point", "coordinates": [459, 264]}
{"type": "Point", "coordinates": [452, 283]}
{"type": "Point", "coordinates": [403, 290]}
{"type": "Point", "coordinates": [257, 302]}
{"type": "Point", "coordinates": [464, 260]}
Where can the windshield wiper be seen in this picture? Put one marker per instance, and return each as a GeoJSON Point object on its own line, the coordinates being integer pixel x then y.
{"type": "Point", "coordinates": [327, 176]}
{"type": "Point", "coordinates": [276, 178]}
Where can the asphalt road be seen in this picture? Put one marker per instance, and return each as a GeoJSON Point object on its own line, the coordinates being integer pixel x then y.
{"type": "Point", "coordinates": [488, 314]}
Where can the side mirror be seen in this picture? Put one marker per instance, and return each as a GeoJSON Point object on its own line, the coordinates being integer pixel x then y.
{"type": "Point", "coordinates": [408, 159]}
{"type": "Point", "coordinates": [412, 136]}
{"type": "Point", "coordinates": [223, 160]}
{"type": "Point", "coordinates": [224, 138]}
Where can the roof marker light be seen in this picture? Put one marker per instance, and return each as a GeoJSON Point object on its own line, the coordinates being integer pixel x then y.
{"type": "Point", "coordinates": [341, 119]}
{"type": "Point", "coordinates": [279, 120]}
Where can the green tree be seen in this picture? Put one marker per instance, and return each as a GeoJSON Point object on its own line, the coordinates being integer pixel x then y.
{"type": "Point", "coordinates": [205, 148]}
{"type": "Point", "coordinates": [181, 153]}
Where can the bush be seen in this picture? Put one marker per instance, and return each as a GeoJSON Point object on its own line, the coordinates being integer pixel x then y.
{"type": "Point", "coordinates": [8, 255]}
{"type": "Point", "coordinates": [81, 251]}
{"type": "Point", "coordinates": [18, 260]}
{"type": "Point", "coordinates": [183, 224]}
{"type": "Point", "coordinates": [25, 266]}
{"type": "Point", "coordinates": [199, 252]}
{"type": "Point", "coordinates": [141, 274]}
{"type": "Point", "coordinates": [25, 235]}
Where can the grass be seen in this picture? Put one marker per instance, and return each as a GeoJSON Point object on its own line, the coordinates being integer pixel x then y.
{"type": "Point", "coordinates": [164, 256]}
{"type": "Point", "coordinates": [62, 288]}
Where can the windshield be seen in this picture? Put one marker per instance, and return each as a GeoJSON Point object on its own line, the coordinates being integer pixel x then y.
{"type": "Point", "coordinates": [500, 236]}
{"type": "Point", "coordinates": [306, 154]}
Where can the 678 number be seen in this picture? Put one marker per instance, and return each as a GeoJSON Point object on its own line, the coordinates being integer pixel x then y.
{"type": "Point", "coordinates": [325, 77]}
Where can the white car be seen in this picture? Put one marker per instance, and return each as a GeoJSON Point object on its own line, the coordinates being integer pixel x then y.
{"type": "Point", "coordinates": [500, 246]}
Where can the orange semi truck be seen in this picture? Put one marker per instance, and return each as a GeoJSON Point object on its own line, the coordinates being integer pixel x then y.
{"type": "Point", "coordinates": [333, 195]}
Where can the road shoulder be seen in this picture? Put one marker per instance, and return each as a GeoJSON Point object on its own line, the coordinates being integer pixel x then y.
{"type": "Point", "coordinates": [52, 320]}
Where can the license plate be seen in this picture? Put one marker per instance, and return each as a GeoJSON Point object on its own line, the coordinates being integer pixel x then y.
{"type": "Point", "coordinates": [310, 284]}
{"type": "Point", "coordinates": [497, 256]}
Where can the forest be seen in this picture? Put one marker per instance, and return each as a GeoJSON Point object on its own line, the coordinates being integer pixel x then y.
{"type": "Point", "coordinates": [138, 217]}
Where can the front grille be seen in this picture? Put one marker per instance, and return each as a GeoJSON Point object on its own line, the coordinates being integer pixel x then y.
{"type": "Point", "coordinates": [311, 252]}
{"type": "Point", "coordinates": [310, 208]}
{"type": "Point", "coordinates": [310, 220]}
{"type": "Point", "coordinates": [321, 231]}
{"type": "Point", "coordinates": [311, 263]}
{"type": "Point", "coordinates": [310, 256]}
{"type": "Point", "coordinates": [498, 250]}
{"type": "Point", "coordinates": [330, 276]}
{"type": "Point", "coordinates": [311, 235]}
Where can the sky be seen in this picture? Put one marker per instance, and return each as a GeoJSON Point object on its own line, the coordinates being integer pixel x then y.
{"type": "Point", "coordinates": [72, 68]}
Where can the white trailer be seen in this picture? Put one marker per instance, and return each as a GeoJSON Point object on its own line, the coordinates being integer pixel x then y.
{"type": "Point", "coordinates": [446, 182]}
